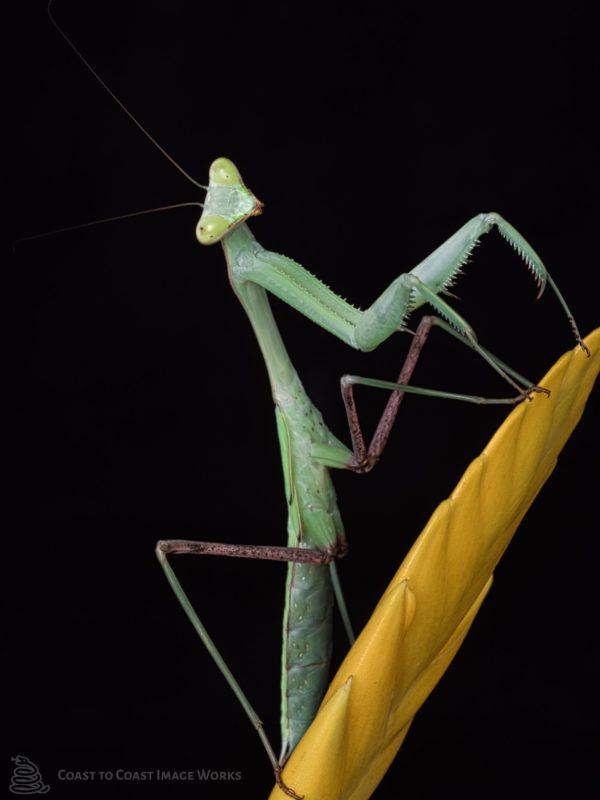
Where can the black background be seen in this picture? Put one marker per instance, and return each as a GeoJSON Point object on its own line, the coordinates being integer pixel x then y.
{"type": "Point", "coordinates": [371, 136]}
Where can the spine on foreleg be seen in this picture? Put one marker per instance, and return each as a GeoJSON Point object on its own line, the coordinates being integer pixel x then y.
{"type": "Point", "coordinates": [306, 652]}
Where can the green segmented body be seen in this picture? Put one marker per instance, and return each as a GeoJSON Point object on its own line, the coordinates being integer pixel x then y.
{"type": "Point", "coordinates": [314, 520]}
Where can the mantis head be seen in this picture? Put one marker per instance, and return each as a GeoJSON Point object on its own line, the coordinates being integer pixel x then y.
{"type": "Point", "coordinates": [228, 202]}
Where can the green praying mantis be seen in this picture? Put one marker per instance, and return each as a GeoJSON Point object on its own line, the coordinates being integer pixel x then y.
{"type": "Point", "coordinates": [309, 450]}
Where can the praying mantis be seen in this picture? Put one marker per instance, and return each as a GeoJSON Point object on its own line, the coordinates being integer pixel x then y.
{"type": "Point", "coordinates": [308, 448]}
{"type": "Point", "coordinates": [330, 453]}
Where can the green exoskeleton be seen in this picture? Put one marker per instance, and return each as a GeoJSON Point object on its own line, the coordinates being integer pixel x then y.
{"type": "Point", "coordinates": [308, 448]}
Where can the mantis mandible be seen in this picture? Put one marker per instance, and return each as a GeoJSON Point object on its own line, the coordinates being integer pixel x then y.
{"type": "Point", "coordinates": [309, 450]}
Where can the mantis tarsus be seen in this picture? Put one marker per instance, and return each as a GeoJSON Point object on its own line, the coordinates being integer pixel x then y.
{"type": "Point", "coordinates": [309, 450]}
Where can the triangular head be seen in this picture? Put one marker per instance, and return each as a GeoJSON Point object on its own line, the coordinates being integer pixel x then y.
{"type": "Point", "coordinates": [228, 202]}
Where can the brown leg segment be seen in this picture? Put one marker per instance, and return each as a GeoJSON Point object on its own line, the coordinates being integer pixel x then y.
{"type": "Point", "coordinates": [299, 555]}
{"type": "Point", "coordinates": [365, 458]}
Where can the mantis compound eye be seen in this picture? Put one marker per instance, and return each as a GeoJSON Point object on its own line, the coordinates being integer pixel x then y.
{"type": "Point", "coordinates": [211, 228]}
{"type": "Point", "coordinates": [223, 172]}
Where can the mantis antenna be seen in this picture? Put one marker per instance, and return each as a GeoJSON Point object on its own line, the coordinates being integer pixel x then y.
{"type": "Point", "coordinates": [69, 228]}
{"type": "Point", "coordinates": [120, 104]}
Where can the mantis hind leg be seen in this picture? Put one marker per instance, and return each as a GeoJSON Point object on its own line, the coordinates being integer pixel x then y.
{"type": "Point", "coordinates": [162, 548]}
{"type": "Point", "coordinates": [340, 601]}
{"type": "Point", "coordinates": [271, 553]}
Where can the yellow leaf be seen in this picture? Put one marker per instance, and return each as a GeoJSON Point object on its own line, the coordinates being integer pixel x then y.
{"type": "Point", "coordinates": [427, 610]}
